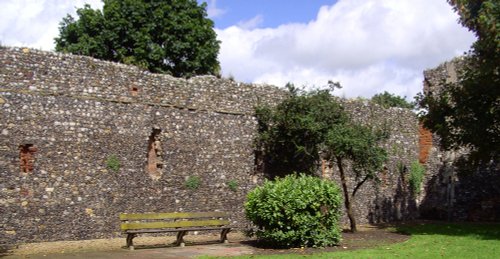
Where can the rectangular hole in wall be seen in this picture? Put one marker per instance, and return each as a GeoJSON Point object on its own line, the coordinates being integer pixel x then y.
{"type": "Point", "coordinates": [154, 156]}
{"type": "Point", "coordinates": [27, 157]}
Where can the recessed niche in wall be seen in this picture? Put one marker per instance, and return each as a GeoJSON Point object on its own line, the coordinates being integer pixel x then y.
{"type": "Point", "coordinates": [155, 164]}
{"type": "Point", "coordinates": [27, 157]}
{"type": "Point", "coordinates": [134, 91]}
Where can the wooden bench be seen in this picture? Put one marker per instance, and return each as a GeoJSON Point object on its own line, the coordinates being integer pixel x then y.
{"type": "Point", "coordinates": [180, 222]}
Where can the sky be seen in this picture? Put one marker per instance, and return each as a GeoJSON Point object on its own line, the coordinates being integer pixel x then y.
{"type": "Point", "coordinates": [369, 46]}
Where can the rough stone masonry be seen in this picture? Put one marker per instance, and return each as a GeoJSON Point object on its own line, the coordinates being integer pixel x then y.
{"type": "Point", "coordinates": [454, 190]}
{"type": "Point", "coordinates": [82, 140]}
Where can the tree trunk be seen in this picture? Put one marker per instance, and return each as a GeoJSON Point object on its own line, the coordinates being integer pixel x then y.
{"type": "Point", "coordinates": [347, 197]}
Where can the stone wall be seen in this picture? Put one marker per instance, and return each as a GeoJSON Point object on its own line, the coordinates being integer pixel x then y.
{"type": "Point", "coordinates": [388, 198]}
{"type": "Point", "coordinates": [66, 119]}
{"type": "Point", "coordinates": [455, 190]}
{"type": "Point", "coordinates": [64, 116]}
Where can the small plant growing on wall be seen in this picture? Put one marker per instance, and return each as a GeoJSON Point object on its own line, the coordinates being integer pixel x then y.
{"type": "Point", "coordinates": [113, 163]}
{"type": "Point", "coordinates": [417, 172]}
{"type": "Point", "coordinates": [193, 182]}
{"type": "Point", "coordinates": [233, 185]}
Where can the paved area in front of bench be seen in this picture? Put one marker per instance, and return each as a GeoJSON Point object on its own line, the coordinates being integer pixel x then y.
{"type": "Point", "coordinates": [231, 249]}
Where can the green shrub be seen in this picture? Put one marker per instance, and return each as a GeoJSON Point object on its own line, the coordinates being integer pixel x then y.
{"type": "Point", "coordinates": [233, 185]}
{"type": "Point", "coordinates": [113, 163]}
{"type": "Point", "coordinates": [296, 211]}
{"type": "Point", "coordinates": [417, 172]}
{"type": "Point", "coordinates": [193, 182]}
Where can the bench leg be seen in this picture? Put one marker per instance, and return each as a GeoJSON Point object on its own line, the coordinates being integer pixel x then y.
{"type": "Point", "coordinates": [130, 242]}
{"type": "Point", "coordinates": [180, 238]}
{"type": "Point", "coordinates": [223, 235]}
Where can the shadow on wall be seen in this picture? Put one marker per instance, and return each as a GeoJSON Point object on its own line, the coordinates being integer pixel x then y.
{"type": "Point", "coordinates": [400, 207]}
{"type": "Point", "coordinates": [461, 192]}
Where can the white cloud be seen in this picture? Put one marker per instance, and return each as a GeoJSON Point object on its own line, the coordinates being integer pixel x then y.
{"type": "Point", "coordinates": [253, 23]}
{"type": "Point", "coordinates": [35, 23]}
{"type": "Point", "coordinates": [368, 45]}
{"type": "Point", "coordinates": [213, 11]}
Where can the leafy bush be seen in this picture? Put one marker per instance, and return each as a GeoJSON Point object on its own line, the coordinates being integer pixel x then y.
{"type": "Point", "coordinates": [296, 211]}
{"type": "Point", "coordinates": [417, 172]}
{"type": "Point", "coordinates": [113, 163]}
{"type": "Point", "coordinates": [193, 182]}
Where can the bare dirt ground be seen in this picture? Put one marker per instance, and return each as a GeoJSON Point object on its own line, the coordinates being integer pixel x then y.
{"type": "Point", "coordinates": [367, 237]}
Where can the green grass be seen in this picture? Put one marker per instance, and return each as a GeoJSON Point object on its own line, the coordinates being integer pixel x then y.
{"type": "Point", "coordinates": [460, 240]}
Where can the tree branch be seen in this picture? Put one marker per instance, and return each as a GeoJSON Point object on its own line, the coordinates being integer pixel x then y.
{"type": "Point", "coordinates": [359, 184]}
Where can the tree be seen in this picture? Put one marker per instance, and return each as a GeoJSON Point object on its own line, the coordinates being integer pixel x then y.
{"type": "Point", "coordinates": [290, 134]}
{"type": "Point", "coordinates": [359, 145]}
{"type": "Point", "coordinates": [388, 100]}
{"type": "Point", "coordinates": [170, 36]}
{"type": "Point", "coordinates": [307, 123]}
{"type": "Point", "coordinates": [467, 113]}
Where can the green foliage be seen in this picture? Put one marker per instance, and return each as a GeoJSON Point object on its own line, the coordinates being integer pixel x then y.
{"type": "Point", "coordinates": [172, 36]}
{"type": "Point", "coordinates": [307, 124]}
{"type": "Point", "coordinates": [113, 163]}
{"type": "Point", "coordinates": [193, 182]}
{"type": "Point", "coordinates": [358, 144]}
{"type": "Point", "coordinates": [296, 211]}
{"type": "Point", "coordinates": [467, 113]}
{"type": "Point", "coordinates": [388, 100]}
{"type": "Point", "coordinates": [481, 17]}
{"type": "Point", "coordinates": [233, 185]}
{"type": "Point", "coordinates": [417, 172]}
{"type": "Point", "coordinates": [290, 135]}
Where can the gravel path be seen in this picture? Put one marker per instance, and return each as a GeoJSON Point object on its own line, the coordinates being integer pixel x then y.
{"type": "Point", "coordinates": [196, 245]}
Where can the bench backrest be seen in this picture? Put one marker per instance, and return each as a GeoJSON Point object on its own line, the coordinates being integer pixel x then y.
{"type": "Point", "coordinates": [135, 221]}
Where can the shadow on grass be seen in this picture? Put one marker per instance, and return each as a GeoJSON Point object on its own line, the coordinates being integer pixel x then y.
{"type": "Point", "coordinates": [484, 231]}
{"type": "Point", "coordinates": [367, 237]}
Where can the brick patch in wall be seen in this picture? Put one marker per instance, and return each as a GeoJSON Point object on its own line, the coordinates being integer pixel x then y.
{"type": "Point", "coordinates": [424, 143]}
{"type": "Point", "coordinates": [27, 157]}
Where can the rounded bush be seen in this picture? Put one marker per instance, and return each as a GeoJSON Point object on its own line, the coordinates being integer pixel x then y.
{"type": "Point", "coordinates": [296, 211]}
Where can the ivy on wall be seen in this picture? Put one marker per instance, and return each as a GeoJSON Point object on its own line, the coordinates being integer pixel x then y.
{"type": "Point", "coordinates": [417, 172]}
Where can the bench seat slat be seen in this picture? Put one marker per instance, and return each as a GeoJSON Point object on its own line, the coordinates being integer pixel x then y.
{"type": "Point", "coordinates": [172, 224]}
{"type": "Point", "coordinates": [174, 215]}
{"type": "Point", "coordinates": [171, 230]}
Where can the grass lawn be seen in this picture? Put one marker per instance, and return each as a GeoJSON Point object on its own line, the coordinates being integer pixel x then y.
{"type": "Point", "coordinates": [446, 240]}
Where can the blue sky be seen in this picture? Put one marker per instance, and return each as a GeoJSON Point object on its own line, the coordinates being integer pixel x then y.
{"type": "Point", "coordinates": [272, 12]}
{"type": "Point", "coordinates": [369, 46]}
